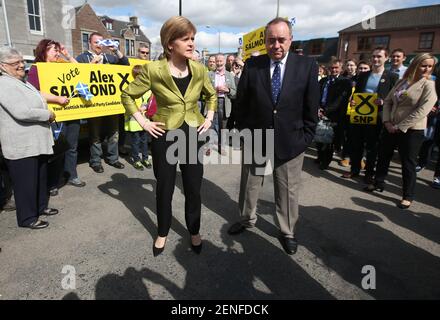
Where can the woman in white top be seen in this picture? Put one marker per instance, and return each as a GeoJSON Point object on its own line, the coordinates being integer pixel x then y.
{"type": "Point", "coordinates": [26, 139]}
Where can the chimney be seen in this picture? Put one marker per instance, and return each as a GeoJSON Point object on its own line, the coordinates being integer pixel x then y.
{"type": "Point", "coordinates": [134, 21]}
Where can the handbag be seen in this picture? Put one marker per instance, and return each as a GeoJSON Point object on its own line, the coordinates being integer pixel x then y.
{"type": "Point", "coordinates": [151, 107]}
{"type": "Point", "coordinates": [324, 132]}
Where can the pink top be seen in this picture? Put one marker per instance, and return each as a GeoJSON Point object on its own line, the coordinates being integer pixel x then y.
{"type": "Point", "coordinates": [33, 77]}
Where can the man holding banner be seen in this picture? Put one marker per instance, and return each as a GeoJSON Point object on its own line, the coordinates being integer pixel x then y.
{"type": "Point", "coordinates": [364, 127]}
{"type": "Point", "coordinates": [103, 127]}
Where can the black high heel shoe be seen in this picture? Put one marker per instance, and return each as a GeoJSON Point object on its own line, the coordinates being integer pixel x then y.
{"type": "Point", "coordinates": [157, 251]}
{"type": "Point", "coordinates": [197, 249]}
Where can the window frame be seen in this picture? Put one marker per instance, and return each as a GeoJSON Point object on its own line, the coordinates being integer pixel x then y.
{"type": "Point", "coordinates": [88, 40]}
{"type": "Point", "coordinates": [432, 34]}
{"type": "Point", "coordinates": [35, 16]}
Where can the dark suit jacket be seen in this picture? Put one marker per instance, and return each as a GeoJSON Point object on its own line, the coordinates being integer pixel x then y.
{"type": "Point", "coordinates": [337, 97]}
{"type": "Point", "coordinates": [294, 117]}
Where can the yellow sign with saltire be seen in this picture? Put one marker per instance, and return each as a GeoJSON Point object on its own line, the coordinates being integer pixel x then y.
{"type": "Point", "coordinates": [365, 110]}
{"type": "Point", "coordinates": [94, 90]}
{"type": "Point", "coordinates": [253, 43]}
{"type": "Point", "coordinates": [133, 62]}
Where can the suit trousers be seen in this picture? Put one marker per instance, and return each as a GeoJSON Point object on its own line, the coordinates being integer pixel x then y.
{"type": "Point", "coordinates": [29, 180]}
{"type": "Point", "coordinates": [100, 129]}
{"type": "Point", "coordinates": [219, 122]}
{"type": "Point", "coordinates": [408, 145]}
{"type": "Point", "coordinates": [286, 178]}
{"type": "Point", "coordinates": [165, 174]}
{"type": "Point", "coordinates": [367, 135]}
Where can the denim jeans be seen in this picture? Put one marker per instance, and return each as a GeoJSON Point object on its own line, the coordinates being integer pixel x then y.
{"type": "Point", "coordinates": [139, 143]}
{"type": "Point", "coordinates": [71, 132]}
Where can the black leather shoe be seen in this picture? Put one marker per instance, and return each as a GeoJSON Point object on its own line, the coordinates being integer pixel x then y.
{"type": "Point", "coordinates": [290, 245]}
{"type": "Point", "coordinates": [117, 165]}
{"type": "Point", "coordinates": [39, 224]}
{"type": "Point", "coordinates": [375, 187]}
{"type": "Point", "coordinates": [236, 228]}
{"type": "Point", "coordinates": [76, 183]}
{"type": "Point", "coordinates": [97, 168]}
{"type": "Point", "coordinates": [50, 212]}
{"type": "Point", "coordinates": [53, 192]}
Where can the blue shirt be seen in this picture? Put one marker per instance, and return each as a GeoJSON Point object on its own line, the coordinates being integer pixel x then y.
{"type": "Point", "coordinates": [399, 71]}
{"type": "Point", "coordinates": [373, 82]}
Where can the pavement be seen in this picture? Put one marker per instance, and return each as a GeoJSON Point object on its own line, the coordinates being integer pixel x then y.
{"type": "Point", "coordinates": [352, 244]}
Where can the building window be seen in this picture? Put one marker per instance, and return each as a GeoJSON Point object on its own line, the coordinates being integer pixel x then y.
{"type": "Point", "coordinates": [316, 48]}
{"type": "Point", "coordinates": [381, 41]}
{"type": "Point", "coordinates": [426, 40]}
{"type": "Point", "coordinates": [127, 47]}
{"type": "Point", "coordinates": [34, 15]}
{"type": "Point", "coordinates": [369, 43]}
{"type": "Point", "coordinates": [109, 25]}
{"type": "Point", "coordinates": [85, 41]}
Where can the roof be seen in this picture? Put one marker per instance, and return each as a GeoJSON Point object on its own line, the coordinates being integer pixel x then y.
{"type": "Point", "coordinates": [426, 16]}
{"type": "Point", "coordinates": [120, 27]}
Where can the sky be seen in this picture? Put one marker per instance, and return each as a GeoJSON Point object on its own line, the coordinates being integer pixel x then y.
{"type": "Point", "coordinates": [232, 18]}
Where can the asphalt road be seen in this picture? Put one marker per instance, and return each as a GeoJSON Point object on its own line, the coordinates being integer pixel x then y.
{"type": "Point", "coordinates": [100, 245]}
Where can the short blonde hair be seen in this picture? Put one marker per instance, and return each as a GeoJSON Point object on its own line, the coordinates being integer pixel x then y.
{"type": "Point", "coordinates": [174, 28]}
{"type": "Point", "coordinates": [410, 73]}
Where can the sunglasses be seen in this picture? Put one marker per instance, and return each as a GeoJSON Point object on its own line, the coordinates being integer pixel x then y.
{"type": "Point", "coordinates": [144, 52]}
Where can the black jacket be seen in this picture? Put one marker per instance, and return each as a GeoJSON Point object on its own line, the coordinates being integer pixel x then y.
{"type": "Point", "coordinates": [294, 117]}
{"type": "Point", "coordinates": [338, 94]}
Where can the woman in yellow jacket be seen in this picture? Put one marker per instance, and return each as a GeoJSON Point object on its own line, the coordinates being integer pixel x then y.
{"type": "Point", "coordinates": [405, 114]}
{"type": "Point", "coordinates": [177, 82]}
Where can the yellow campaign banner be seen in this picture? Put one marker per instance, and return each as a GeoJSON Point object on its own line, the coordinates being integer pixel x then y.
{"type": "Point", "coordinates": [254, 42]}
{"type": "Point", "coordinates": [365, 109]}
{"type": "Point", "coordinates": [102, 82]}
{"type": "Point", "coordinates": [133, 62]}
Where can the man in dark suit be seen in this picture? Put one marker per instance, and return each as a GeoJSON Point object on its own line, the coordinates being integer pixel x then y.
{"type": "Point", "coordinates": [335, 93]}
{"type": "Point", "coordinates": [379, 81]}
{"type": "Point", "coordinates": [278, 91]}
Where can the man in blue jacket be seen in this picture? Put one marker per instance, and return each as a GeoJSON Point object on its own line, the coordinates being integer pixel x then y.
{"type": "Point", "coordinates": [106, 127]}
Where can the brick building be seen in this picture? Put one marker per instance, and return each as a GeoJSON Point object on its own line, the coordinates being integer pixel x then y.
{"type": "Point", "coordinates": [323, 49]}
{"type": "Point", "coordinates": [129, 34]}
{"type": "Point", "coordinates": [414, 30]}
{"type": "Point", "coordinates": [28, 22]}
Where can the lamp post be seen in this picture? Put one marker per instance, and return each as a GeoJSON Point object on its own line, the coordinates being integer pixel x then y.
{"type": "Point", "coordinates": [180, 7]}
{"type": "Point", "coordinates": [278, 8]}
{"type": "Point", "coordinates": [8, 34]}
{"type": "Point", "coordinates": [218, 30]}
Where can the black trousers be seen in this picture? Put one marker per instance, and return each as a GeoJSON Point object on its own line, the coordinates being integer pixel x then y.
{"type": "Point", "coordinates": [165, 174]}
{"type": "Point", "coordinates": [29, 180]}
{"type": "Point", "coordinates": [364, 136]}
{"type": "Point", "coordinates": [408, 144]}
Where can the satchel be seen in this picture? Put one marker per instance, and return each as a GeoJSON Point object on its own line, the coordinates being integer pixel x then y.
{"type": "Point", "coordinates": [324, 132]}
